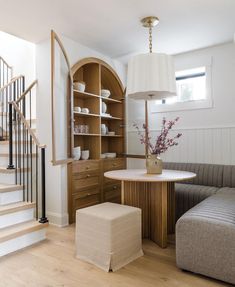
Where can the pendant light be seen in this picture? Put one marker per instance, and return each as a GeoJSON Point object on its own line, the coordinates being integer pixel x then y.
{"type": "Point", "coordinates": [151, 76]}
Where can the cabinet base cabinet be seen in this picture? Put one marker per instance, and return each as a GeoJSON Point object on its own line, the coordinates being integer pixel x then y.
{"type": "Point", "coordinates": [87, 185]}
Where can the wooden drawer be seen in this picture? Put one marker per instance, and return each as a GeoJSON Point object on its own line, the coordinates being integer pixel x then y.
{"type": "Point", "coordinates": [85, 180]}
{"type": "Point", "coordinates": [112, 164]}
{"type": "Point", "coordinates": [85, 199]}
{"type": "Point", "coordinates": [86, 165]}
{"type": "Point", "coordinates": [112, 193]}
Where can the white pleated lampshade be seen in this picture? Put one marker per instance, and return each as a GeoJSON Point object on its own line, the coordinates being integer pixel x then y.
{"type": "Point", "coordinates": [151, 77]}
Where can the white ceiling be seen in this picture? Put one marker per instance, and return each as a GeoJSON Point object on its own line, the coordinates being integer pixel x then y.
{"type": "Point", "coordinates": [112, 26]}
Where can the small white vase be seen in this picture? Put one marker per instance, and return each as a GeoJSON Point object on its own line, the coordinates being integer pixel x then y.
{"type": "Point", "coordinates": [153, 164]}
{"type": "Point", "coordinates": [103, 129]}
{"type": "Point", "coordinates": [104, 107]}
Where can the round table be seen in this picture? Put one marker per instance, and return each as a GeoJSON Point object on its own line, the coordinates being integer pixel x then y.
{"type": "Point", "coordinates": [155, 195]}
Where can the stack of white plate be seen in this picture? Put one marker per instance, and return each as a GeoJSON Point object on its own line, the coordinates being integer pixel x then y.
{"type": "Point", "coordinates": [108, 155]}
{"type": "Point", "coordinates": [105, 93]}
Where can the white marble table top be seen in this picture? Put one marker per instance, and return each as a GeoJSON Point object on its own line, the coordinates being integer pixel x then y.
{"type": "Point", "coordinates": [141, 175]}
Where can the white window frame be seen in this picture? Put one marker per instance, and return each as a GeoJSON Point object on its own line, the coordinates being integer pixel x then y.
{"type": "Point", "coordinates": [193, 104]}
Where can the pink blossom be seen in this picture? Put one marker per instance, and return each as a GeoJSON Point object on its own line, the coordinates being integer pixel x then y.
{"type": "Point", "coordinates": [162, 142]}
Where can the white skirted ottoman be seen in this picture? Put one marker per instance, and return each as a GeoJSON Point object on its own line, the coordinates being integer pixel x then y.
{"type": "Point", "coordinates": [108, 235]}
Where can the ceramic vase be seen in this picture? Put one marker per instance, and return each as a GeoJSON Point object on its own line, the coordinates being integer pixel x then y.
{"type": "Point", "coordinates": [153, 164]}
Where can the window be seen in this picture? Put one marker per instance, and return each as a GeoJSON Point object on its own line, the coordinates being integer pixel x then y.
{"type": "Point", "coordinates": [190, 86]}
{"type": "Point", "coordinates": [193, 88]}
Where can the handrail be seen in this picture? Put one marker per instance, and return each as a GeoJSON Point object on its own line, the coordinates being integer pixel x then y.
{"type": "Point", "coordinates": [21, 160]}
{"type": "Point", "coordinates": [31, 132]}
{"type": "Point", "coordinates": [1, 58]}
{"type": "Point", "coordinates": [11, 82]}
{"type": "Point", "coordinates": [26, 91]}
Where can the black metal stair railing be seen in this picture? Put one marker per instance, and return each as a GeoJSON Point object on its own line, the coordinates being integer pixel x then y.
{"type": "Point", "coordinates": [6, 72]}
{"type": "Point", "coordinates": [26, 154]}
{"type": "Point", "coordinates": [9, 92]}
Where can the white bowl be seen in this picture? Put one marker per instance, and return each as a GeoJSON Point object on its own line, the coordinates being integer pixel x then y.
{"type": "Point", "coordinates": [111, 133]}
{"type": "Point", "coordinates": [85, 110]}
{"type": "Point", "coordinates": [111, 154]}
{"type": "Point", "coordinates": [77, 152]}
{"type": "Point", "coordinates": [79, 86]}
{"type": "Point", "coordinates": [103, 155]}
{"type": "Point", "coordinates": [105, 93]}
{"type": "Point", "coordinates": [77, 109]}
{"type": "Point", "coordinates": [85, 154]}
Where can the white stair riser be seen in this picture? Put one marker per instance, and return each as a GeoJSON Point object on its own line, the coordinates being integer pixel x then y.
{"type": "Point", "coordinates": [10, 219]}
{"type": "Point", "coordinates": [22, 241]}
{"type": "Point", "coordinates": [8, 178]}
{"type": "Point", "coordinates": [11, 197]}
{"type": "Point", "coordinates": [4, 148]}
{"type": "Point", "coordinates": [4, 161]}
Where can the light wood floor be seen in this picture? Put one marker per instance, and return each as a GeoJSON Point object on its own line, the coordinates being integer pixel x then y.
{"type": "Point", "coordinates": [52, 263]}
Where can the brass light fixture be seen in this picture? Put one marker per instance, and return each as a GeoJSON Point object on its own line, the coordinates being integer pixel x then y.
{"type": "Point", "coordinates": [150, 76]}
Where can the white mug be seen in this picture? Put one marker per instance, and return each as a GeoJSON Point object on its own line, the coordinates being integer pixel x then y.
{"type": "Point", "coordinates": [85, 154]}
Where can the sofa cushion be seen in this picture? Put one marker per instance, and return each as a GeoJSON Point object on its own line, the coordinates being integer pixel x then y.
{"type": "Point", "coordinates": [229, 176]}
{"type": "Point", "coordinates": [207, 174]}
{"type": "Point", "coordinates": [188, 195]}
{"type": "Point", "coordinates": [205, 238]}
{"type": "Point", "coordinates": [226, 190]}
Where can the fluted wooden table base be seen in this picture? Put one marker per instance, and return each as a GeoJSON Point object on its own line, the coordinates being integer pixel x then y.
{"type": "Point", "coordinates": [157, 202]}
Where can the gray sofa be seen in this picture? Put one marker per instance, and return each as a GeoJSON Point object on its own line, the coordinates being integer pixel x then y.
{"type": "Point", "coordinates": [205, 234]}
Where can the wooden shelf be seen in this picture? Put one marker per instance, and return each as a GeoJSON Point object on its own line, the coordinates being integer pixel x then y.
{"type": "Point", "coordinates": [110, 100]}
{"type": "Point", "coordinates": [87, 184]}
{"type": "Point", "coordinates": [79, 114]}
{"type": "Point", "coordinates": [83, 95]}
{"type": "Point", "coordinates": [111, 118]}
{"type": "Point", "coordinates": [87, 135]}
{"type": "Point", "coordinates": [112, 136]}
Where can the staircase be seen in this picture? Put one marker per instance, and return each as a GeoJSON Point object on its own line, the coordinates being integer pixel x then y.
{"type": "Point", "coordinates": [23, 220]}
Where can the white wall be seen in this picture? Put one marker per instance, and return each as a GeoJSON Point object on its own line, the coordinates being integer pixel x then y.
{"type": "Point", "coordinates": [56, 176]}
{"type": "Point", "coordinates": [208, 134]}
{"type": "Point", "coordinates": [20, 54]}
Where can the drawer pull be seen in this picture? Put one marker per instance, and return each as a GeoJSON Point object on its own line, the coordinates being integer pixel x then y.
{"type": "Point", "coordinates": [86, 195]}
{"type": "Point", "coordinates": [88, 175]}
{"type": "Point", "coordinates": [114, 187]}
{"type": "Point", "coordinates": [88, 167]}
{"type": "Point", "coordinates": [114, 164]}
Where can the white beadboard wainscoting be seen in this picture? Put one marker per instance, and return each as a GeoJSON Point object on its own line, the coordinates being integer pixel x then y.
{"type": "Point", "coordinates": [197, 145]}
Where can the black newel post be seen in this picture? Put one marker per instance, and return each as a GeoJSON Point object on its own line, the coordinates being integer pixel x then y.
{"type": "Point", "coordinates": [10, 165]}
{"type": "Point", "coordinates": [43, 219]}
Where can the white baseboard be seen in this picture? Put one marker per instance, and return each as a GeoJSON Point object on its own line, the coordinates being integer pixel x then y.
{"type": "Point", "coordinates": [58, 219]}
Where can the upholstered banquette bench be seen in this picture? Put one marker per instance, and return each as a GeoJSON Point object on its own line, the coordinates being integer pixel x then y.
{"type": "Point", "coordinates": [210, 178]}
{"type": "Point", "coordinates": [205, 234]}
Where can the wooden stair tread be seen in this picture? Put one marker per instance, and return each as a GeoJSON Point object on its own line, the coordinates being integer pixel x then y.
{"type": "Point", "coordinates": [20, 229]}
{"type": "Point", "coordinates": [9, 187]}
{"type": "Point", "coordinates": [6, 142]}
{"type": "Point", "coordinates": [15, 207]}
{"type": "Point", "coordinates": [6, 154]}
{"type": "Point", "coordinates": [10, 171]}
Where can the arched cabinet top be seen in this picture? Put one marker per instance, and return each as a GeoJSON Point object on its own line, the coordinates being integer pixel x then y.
{"type": "Point", "coordinates": [107, 69]}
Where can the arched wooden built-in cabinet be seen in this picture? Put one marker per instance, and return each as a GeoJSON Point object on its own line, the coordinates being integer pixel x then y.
{"type": "Point", "coordinates": [86, 183]}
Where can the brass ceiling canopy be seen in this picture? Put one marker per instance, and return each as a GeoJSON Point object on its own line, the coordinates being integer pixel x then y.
{"type": "Point", "coordinates": [150, 22]}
